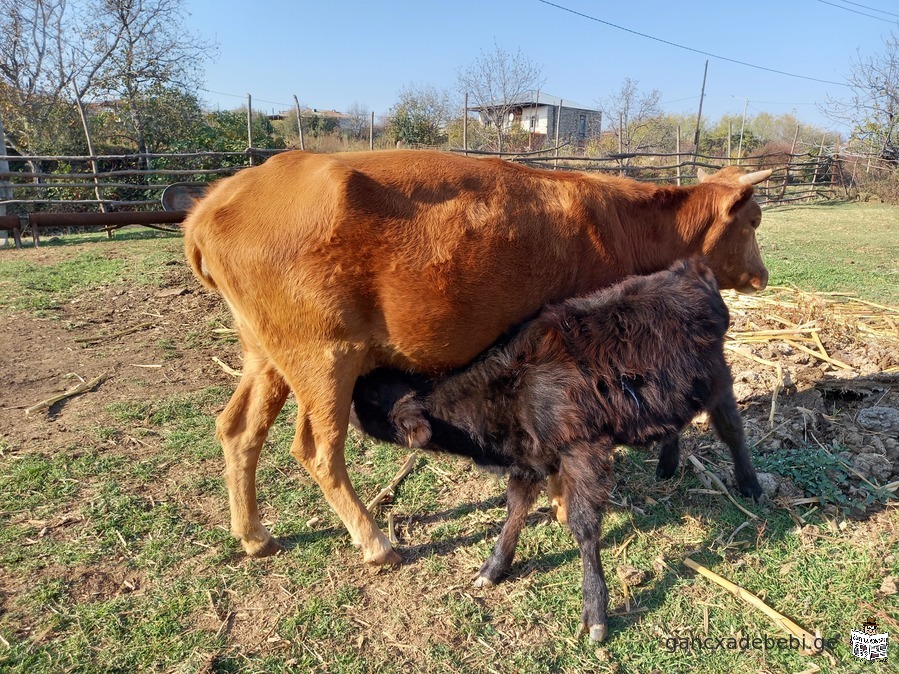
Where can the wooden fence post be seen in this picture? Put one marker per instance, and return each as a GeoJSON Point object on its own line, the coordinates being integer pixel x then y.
{"type": "Point", "coordinates": [620, 144]}
{"type": "Point", "coordinates": [783, 188]}
{"type": "Point", "coordinates": [558, 128]}
{"type": "Point", "coordinates": [870, 152]}
{"type": "Point", "coordinates": [730, 132]}
{"type": "Point", "coordinates": [94, 166]}
{"type": "Point", "coordinates": [371, 131]}
{"type": "Point", "coordinates": [677, 149]}
{"type": "Point", "coordinates": [465, 125]}
{"type": "Point", "coordinates": [5, 190]}
{"type": "Point", "coordinates": [296, 103]}
{"type": "Point", "coordinates": [250, 129]}
{"type": "Point", "coordinates": [699, 115]}
{"type": "Point", "coordinates": [818, 163]}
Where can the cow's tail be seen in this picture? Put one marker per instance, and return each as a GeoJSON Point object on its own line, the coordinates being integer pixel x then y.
{"type": "Point", "coordinates": [193, 251]}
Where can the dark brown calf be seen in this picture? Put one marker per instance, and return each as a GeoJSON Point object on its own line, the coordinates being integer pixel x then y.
{"type": "Point", "coordinates": [632, 364]}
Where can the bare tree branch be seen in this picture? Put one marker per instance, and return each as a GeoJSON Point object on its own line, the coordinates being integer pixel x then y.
{"type": "Point", "coordinates": [497, 83]}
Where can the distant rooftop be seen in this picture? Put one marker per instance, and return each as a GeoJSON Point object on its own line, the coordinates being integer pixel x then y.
{"type": "Point", "coordinates": [536, 97]}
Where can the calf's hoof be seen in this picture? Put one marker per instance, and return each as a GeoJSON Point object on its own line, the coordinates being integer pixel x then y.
{"type": "Point", "coordinates": [665, 471]}
{"type": "Point", "coordinates": [388, 557]}
{"type": "Point", "coordinates": [598, 633]}
{"type": "Point", "coordinates": [750, 488]}
{"type": "Point", "coordinates": [265, 548]}
{"type": "Point", "coordinates": [483, 581]}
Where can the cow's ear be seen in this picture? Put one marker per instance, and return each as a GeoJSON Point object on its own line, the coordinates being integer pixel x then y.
{"type": "Point", "coordinates": [738, 198]}
{"type": "Point", "coordinates": [701, 176]}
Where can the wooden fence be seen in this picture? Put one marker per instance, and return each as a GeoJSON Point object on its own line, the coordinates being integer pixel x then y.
{"type": "Point", "coordinates": [135, 182]}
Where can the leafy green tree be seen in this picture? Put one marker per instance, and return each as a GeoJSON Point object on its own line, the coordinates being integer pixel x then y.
{"type": "Point", "coordinates": [420, 115]}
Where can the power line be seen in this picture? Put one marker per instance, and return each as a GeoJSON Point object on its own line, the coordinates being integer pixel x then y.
{"type": "Point", "coordinates": [697, 51]}
{"type": "Point", "coordinates": [855, 11]}
{"type": "Point", "coordinates": [873, 9]}
{"type": "Point", "coordinates": [261, 100]}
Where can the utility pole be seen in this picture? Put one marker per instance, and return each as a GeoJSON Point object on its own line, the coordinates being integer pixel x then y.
{"type": "Point", "coordinates": [699, 115]}
{"type": "Point", "coordinates": [250, 129]}
{"type": "Point", "coordinates": [296, 103]}
{"type": "Point", "coordinates": [742, 126]}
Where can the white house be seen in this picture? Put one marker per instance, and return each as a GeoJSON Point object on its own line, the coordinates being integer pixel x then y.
{"type": "Point", "coordinates": [536, 112]}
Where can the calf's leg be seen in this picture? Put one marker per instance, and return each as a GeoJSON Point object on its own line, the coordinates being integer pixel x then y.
{"type": "Point", "coordinates": [586, 475]}
{"type": "Point", "coordinates": [521, 493]}
{"type": "Point", "coordinates": [726, 420]}
{"type": "Point", "coordinates": [669, 457]}
{"type": "Point", "coordinates": [241, 428]}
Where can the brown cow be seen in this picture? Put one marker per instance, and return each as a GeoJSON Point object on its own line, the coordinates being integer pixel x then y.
{"type": "Point", "coordinates": [335, 264]}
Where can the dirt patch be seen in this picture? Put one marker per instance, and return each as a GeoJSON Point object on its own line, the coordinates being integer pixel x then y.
{"type": "Point", "coordinates": [172, 352]}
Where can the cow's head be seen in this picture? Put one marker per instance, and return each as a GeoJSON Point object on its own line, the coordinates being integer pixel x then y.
{"type": "Point", "coordinates": [729, 243]}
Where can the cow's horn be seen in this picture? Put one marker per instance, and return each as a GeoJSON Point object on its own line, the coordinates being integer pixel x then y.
{"type": "Point", "coordinates": [755, 177]}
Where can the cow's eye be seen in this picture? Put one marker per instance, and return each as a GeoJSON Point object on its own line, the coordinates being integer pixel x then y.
{"type": "Point", "coordinates": [755, 222]}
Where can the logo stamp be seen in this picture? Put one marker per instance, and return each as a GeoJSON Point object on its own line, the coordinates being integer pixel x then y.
{"type": "Point", "coordinates": [867, 644]}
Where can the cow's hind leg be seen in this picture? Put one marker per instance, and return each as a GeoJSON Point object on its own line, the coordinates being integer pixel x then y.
{"type": "Point", "coordinates": [586, 475]}
{"type": "Point", "coordinates": [556, 498]}
{"type": "Point", "coordinates": [726, 420]}
{"type": "Point", "coordinates": [242, 428]}
{"type": "Point", "coordinates": [669, 457]}
{"type": "Point", "coordinates": [322, 380]}
{"type": "Point", "coordinates": [521, 493]}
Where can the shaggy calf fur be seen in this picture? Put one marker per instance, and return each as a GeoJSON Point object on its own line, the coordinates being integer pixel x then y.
{"type": "Point", "coordinates": [632, 364]}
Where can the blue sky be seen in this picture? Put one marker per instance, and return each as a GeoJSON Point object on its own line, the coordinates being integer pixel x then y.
{"type": "Point", "coordinates": [331, 54]}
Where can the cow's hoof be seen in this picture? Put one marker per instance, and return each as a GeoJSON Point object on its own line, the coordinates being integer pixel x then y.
{"type": "Point", "coordinates": [388, 557]}
{"type": "Point", "coordinates": [483, 581]}
{"type": "Point", "coordinates": [598, 632]}
{"type": "Point", "coordinates": [560, 512]}
{"type": "Point", "coordinates": [265, 548]}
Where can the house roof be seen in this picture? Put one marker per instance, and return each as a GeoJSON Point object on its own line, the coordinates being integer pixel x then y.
{"type": "Point", "coordinates": [537, 97]}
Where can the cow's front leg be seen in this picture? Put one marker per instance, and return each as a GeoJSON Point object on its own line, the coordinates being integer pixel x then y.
{"type": "Point", "coordinates": [322, 380]}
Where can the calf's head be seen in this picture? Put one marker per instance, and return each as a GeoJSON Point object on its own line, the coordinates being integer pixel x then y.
{"type": "Point", "coordinates": [387, 406]}
{"type": "Point", "coordinates": [730, 244]}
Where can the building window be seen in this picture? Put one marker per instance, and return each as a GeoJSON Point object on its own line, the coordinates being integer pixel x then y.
{"type": "Point", "coordinates": [582, 125]}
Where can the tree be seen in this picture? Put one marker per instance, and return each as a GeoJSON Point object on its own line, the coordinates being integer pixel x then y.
{"type": "Point", "coordinates": [872, 106]}
{"type": "Point", "coordinates": [154, 55]}
{"type": "Point", "coordinates": [420, 115]}
{"type": "Point", "coordinates": [58, 52]}
{"type": "Point", "coordinates": [358, 119]}
{"type": "Point", "coordinates": [497, 82]}
{"type": "Point", "coordinates": [635, 115]}
{"type": "Point", "coordinates": [33, 73]}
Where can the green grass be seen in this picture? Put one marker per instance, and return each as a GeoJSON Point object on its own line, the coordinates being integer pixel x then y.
{"type": "Point", "coordinates": [834, 248]}
{"type": "Point", "coordinates": [40, 280]}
